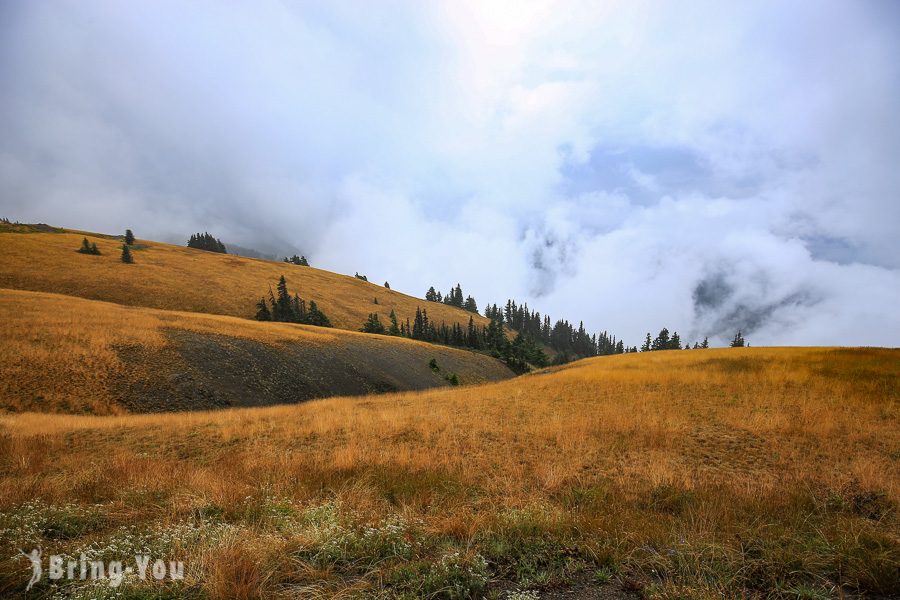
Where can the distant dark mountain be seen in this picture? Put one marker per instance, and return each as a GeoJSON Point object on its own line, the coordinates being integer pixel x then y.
{"type": "Point", "coordinates": [249, 252]}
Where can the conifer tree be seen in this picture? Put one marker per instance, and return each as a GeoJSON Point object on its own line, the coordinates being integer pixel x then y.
{"type": "Point", "coordinates": [662, 340]}
{"type": "Point", "coordinates": [705, 343]}
{"type": "Point", "coordinates": [394, 329]}
{"type": "Point", "coordinates": [298, 308]}
{"type": "Point", "coordinates": [284, 310]}
{"type": "Point", "coordinates": [647, 344]}
{"type": "Point", "coordinates": [373, 325]}
{"type": "Point", "coordinates": [126, 255]}
{"type": "Point", "coordinates": [129, 238]}
{"type": "Point", "coordinates": [85, 247]}
{"type": "Point", "coordinates": [94, 249]}
{"type": "Point", "coordinates": [387, 285]}
{"type": "Point", "coordinates": [738, 341]}
{"type": "Point", "coordinates": [317, 317]}
{"type": "Point", "coordinates": [431, 295]}
{"type": "Point", "coordinates": [262, 311]}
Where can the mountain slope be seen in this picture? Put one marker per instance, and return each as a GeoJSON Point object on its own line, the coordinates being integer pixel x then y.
{"type": "Point", "coordinates": [177, 278]}
{"type": "Point", "coordinates": [66, 354]}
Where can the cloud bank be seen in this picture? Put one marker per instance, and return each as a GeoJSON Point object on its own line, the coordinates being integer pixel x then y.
{"type": "Point", "coordinates": [700, 166]}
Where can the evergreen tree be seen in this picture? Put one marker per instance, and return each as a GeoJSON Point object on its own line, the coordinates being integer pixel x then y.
{"type": "Point", "coordinates": [126, 255]}
{"type": "Point", "coordinates": [283, 304]}
{"type": "Point", "coordinates": [387, 285]}
{"type": "Point", "coordinates": [89, 248]}
{"type": "Point", "coordinates": [361, 277]}
{"type": "Point", "coordinates": [456, 296]}
{"type": "Point", "coordinates": [262, 311]}
{"type": "Point", "coordinates": [470, 304]}
{"type": "Point", "coordinates": [298, 309]}
{"type": "Point", "coordinates": [647, 344]}
{"type": "Point", "coordinates": [431, 295]}
{"type": "Point", "coordinates": [675, 342]}
{"type": "Point", "coordinates": [394, 329]}
{"type": "Point", "coordinates": [373, 325]}
{"type": "Point", "coordinates": [273, 306]}
{"type": "Point", "coordinates": [705, 343]}
{"type": "Point", "coordinates": [419, 325]}
{"type": "Point", "coordinates": [662, 340]}
{"type": "Point", "coordinates": [317, 317]}
{"type": "Point", "coordinates": [129, 238]}
{"type": "Point", "coordinates": [738, 341]}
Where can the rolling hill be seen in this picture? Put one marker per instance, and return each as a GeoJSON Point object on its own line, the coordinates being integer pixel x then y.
{"type": "Point", "coordinates": [733, 473]}
{"type": "Point", "coordinates": [66, 354]}
{"type": "Point", "coordinates": [177, 278]}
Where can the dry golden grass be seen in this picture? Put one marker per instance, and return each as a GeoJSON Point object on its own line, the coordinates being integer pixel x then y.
{"type": "Point", "coordinates": [177, 278]}
{"type": "Point", "coordinates": [703, 474]}
{"type": "Point", "coordinates": [61, 354]}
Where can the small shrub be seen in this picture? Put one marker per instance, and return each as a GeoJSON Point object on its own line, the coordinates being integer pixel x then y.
{"type": "Point", "coordinates": [603, 575]}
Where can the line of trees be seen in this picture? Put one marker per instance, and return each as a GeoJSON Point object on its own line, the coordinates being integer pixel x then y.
{"type": "Point", "coordinates": [665, 341]}
{"type": "Point", "coordinates": [453, 298]}
{"type": "Point", "coordinates": [281, 307]}
{"type": "Point", "coordinates": [205, 241]}
{"type": "Point", "coordinates": [519, 354]}
{"type": "Point", "coordinates": [568, 341]}
{"type": "Point", "coordinates": [300, 261]}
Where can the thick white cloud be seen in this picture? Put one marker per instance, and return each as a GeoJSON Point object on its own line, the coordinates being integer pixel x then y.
{"type": "Point", "coordinates": [702, 166]}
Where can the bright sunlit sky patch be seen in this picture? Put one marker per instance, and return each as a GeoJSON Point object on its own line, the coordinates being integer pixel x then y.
{"type": "Point", "coordinates": [703, 166]}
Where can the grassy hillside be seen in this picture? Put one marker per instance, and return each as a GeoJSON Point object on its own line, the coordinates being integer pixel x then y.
{"type": "Point", "coordinates": [64, 354]}
{"type": "Point", "coordinates": [177, 278]}
{"type": "Point", "coordinates": [755, 473]}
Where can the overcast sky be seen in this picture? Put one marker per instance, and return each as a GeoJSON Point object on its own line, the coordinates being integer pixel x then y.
{"type": "Point", "coordinates": [704, 166]}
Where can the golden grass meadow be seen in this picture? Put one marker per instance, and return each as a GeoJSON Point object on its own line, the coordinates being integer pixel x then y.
{"type": "Point", "coordinates": [183, 279]}
{"type": "Point", "coordinates": [722, 473]}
